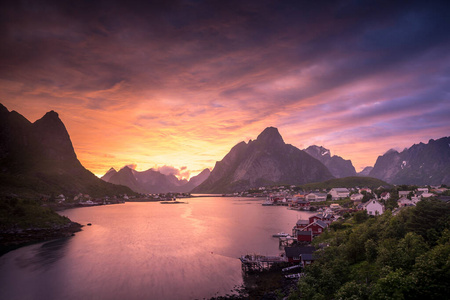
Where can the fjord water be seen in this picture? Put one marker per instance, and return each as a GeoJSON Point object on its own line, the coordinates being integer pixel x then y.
{"type": "Point", "coordinates": [147, 250]}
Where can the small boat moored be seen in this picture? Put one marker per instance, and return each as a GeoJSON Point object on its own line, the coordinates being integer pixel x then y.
{"type": "Point", "coordinates": [281, 234]}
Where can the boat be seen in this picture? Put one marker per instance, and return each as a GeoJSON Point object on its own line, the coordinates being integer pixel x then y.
{"type": "Point", "coordinates": [291, 268]}
{"type": "Point", "coordinates": [267, 203]}
{"type": "Point", "coordinates": [293, 276]}
{"type": "Point", "coordinates": [281, 234]}
{"type": "Point", "coordinates": [173, 202]}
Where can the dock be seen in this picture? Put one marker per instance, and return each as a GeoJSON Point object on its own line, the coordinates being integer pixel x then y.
{"type": "Point", "coordinates": [255, 262]}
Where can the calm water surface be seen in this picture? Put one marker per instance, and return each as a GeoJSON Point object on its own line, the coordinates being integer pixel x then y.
{"type": "Point", "coordinates": [148, 251]}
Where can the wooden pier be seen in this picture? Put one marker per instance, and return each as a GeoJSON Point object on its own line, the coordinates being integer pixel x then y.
{"type": "Point", "coordinates": [255, 262]}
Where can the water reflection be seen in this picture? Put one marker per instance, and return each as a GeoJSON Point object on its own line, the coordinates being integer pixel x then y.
{"type": "Point", "coordinates": [44, 256]}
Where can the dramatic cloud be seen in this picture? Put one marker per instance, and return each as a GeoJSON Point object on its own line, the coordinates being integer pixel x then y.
{"type": "Point", "coordinates": [178, 83]}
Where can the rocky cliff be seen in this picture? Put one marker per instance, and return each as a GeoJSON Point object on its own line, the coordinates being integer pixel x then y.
{"type": "Point", "coordinates": [338, 166]}
{"type": "Point", "coordinates": [264, 161]}
{"type": "Point", "coordinates": [421, 164]}
{"type": "Point", "coordinates": [39, 159]}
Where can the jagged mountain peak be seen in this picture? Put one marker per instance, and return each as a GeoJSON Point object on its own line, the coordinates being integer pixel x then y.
{"type": "Point", "coordinates": [338, 166]}
{"type": "Point", "coordinates": [265, 161]}
{"type": "Point", "coordinates": [38, 158]}
{"type": "Point", "coordinates": [420, 164]}
{"type": "Point", "coordinates": [390, 151]}
{"type": "Point", "coordinates": [270, 135]}
{"type": "Point", "coordinates": [318, 150]}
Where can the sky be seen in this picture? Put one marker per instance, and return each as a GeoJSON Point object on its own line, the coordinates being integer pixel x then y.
{"type": "Point", "coordinates": [174, 85]}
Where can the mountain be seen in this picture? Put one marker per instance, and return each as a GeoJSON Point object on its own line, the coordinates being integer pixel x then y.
{"type": "Point", "coordinates": [38, 159]}
{"type": "Point", "coordinates": [422, 164]}
{"type": "Point", "coordinates": [264, 161]}
{"type": "Point", "coordinates": [365, 171]}
{"type": "Point", "coordinates": [153, 182]}
{"type": "Point", "coordinates": [111, 172]}
{"type": "Point", "coordinates": [338, 166]}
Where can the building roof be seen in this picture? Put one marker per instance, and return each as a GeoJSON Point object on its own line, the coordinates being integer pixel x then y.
{"type": "Point", "coordinates": [308, 257]}
{"type": "Point", "coordinates": [302, 222]}
{"type": "Point", "coordinates": [308, 232]}
{"type": "Point", "coordinates": [297, 251]}
{"type": "Point", "coordinates": [341, 190]}
{"type": "Point", "coordinates": [318, 222]}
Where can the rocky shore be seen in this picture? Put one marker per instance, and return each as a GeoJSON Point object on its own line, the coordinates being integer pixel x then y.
{"type": "Point", "coordinates": [14, 238]}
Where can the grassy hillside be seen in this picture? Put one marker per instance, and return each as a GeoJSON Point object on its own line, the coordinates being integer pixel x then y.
{"type": "Point", "coordinates": [346, 182]}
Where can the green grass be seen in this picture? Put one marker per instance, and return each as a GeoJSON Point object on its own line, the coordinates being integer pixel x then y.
{"type": "Point", "coordinates": [17, 213]}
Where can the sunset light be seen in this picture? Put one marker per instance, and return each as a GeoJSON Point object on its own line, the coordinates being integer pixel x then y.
{"type": "Point", "coordinates": [179, 84]}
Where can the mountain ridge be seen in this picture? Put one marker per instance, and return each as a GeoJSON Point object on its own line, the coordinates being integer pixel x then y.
{"type": "Point", "coordinates": [338, 166]}
{"type": "Point", "coordinates": [264, 161]}
{"type": "Point", "coordinates": [152, 181]}
{"type": "Point", "coordinates": [421, 164]}
{"type": "Point", "coordinates": [39, 159]}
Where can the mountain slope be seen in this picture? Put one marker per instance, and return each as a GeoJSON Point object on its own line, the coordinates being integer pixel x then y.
{"type": "Point", "coordinates": [365, 171]}
{"type": "Point", "coordinates": [264, 161]}
{"type": "Point", "coordinates": [421, 164]}
{"type": "Point", "coordinates": [338, 166]}
{"type": "Point", "coordinates": [153, 182]}
{"type": "Point", "coordinates": [38, 159]}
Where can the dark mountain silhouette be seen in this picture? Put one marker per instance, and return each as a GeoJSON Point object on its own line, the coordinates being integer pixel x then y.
{"type": "Point", "coordinates": [421, 164]}
{"type": "Point", "coordinates": [338, 166]}
{"type": "Point", "coordinates": [38, 159]}
{"type": "Point", "coordinates": [153, 182]}
{"type": "Point", "coordinates": [264, 161]}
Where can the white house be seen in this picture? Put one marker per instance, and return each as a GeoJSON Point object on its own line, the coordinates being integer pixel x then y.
{"type": "Point", "coordinates": [374, 208]}
{"type": "Point", "coordinates": [403, 193]}
{"type": "Point", "coordinates": [316, 197]}
{"type": "Point", "coordinates": [356, 197]}
{"type": "Point", "coordinates": [339, 193]}
{"type": "Point", "coordinates": [385, 196]}
{"type": "Point", "coordinates": [425, 190]}
{"type": "Point", "coordinates": [403, 201]}
{"type": "Point", "coordinates": [427, 195]}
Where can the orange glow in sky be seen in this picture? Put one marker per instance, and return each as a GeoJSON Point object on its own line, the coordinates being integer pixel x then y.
{"type": "Point", "coordinates": [180, 84]}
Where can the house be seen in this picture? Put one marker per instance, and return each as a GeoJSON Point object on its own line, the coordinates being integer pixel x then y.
{"type": "Point", "coordinates": [316, 197]}
{"type": "Point", "coordinates": [425, 190]}
{"type": "Point", "coordinates": [356, 197]}
{"type": "Point", "coordinates": [385, 196]}
{"type": "Point", "coordinates": [403, 193]}
{"type": "Point", "coordinates": [427, 195]}
{"type": "Point", "coordinates": [339, 193]}
{"type": "Point", "coordinates": [303, 203]}
{"type": "Point", "coordinates": [304, 236]}
{"type": "Point", "coordinates": [374, 208]}
{"type": "Point", "coordinates": [403, 201]}
{"type": "Point", "coordinates": [314, 218]}
{"type": "Point", "coordinates": [367, 190]}
{"type": "Point", "coordinates": [296, 254]}
{"type": "Point", "coordinates": [328, 218]}
{"type": "Point", "coordinates": [317, 227]}
{"type": "Point", "coordinates": [334, 206]}
{"type": "Point", "coordinates": [301, 224]}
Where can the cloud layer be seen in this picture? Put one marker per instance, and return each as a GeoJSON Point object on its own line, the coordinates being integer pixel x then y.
{"type": "Point", "coordinates": [180, 82]}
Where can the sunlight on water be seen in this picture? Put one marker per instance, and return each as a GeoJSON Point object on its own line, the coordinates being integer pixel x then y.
{"type": "Point", "coordinates": [148, 251]}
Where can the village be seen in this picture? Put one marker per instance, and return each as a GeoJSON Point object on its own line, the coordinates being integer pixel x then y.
{"type": "Point", "coordinates": [331, 205]}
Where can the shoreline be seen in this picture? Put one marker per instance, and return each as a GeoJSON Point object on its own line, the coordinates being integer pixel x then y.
{"type": "Point", "coordinates": [13, 239]}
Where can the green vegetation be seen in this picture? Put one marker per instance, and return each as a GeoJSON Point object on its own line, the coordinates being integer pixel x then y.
{"type": "Point", "coordinates": [405, 256]}
{"type": "Point", "coordinates": [32, 186]}
{"type": "Point", "coordinates": [21, 214]}
{"type": "Point", "coordinates": [346, 182]}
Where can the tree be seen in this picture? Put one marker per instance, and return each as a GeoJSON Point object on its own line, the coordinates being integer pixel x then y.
{"type": "Point", "coordinates": [360, 216]}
